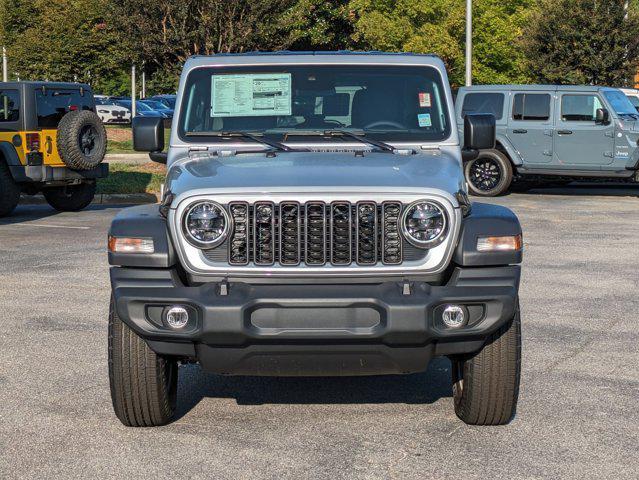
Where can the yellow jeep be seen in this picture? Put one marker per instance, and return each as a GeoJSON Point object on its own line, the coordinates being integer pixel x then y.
{"type": "Point", "coordinates": [51, 141]}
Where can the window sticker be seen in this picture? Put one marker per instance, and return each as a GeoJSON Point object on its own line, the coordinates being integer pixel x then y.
{"type": "Point", "coordinates": [251, 95]}
{"type": "Point", "coordinates": [423, 119]}
{"type": "Point", "coordinates": [424, 100]}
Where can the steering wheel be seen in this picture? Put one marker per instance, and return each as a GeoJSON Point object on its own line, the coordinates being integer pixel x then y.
{"type": "Point", "coordinates": [388, 123]}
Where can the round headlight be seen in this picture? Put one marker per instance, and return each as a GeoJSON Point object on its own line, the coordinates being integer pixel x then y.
{"type": "Point", "coordinates": [206, 224]}
{"type": "Point", "coordinates": [424, 224]}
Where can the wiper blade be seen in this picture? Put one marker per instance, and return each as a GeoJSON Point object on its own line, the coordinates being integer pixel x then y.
{"type": "Point", "coordinates": [251, 136]}
{"type": "Point", "coordinates": [360, 138]}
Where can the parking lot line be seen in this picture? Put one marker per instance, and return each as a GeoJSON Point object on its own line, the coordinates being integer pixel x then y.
{"type": "Point", "coordinates": [44, 225]}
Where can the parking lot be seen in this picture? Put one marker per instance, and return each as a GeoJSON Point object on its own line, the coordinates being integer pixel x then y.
{"type": "Point", "coordinates": [577, 414]}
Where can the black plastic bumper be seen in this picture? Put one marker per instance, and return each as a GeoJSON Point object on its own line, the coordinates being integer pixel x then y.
{"type": "Point", "coordinates": [47, 173]}
{"type": "Point", "coordinates": [332, 329]}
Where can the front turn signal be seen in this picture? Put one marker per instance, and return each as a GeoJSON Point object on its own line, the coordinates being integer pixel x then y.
{"type": "Point", "coordinates": [130, 245]}
{"type": "Point", "coordinates": [500, 244]}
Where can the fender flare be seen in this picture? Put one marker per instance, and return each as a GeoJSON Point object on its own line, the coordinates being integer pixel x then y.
{"type": "Point", "coordinates": [515, 158]}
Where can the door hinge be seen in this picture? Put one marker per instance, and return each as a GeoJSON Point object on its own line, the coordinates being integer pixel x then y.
{"type": "Point", "coordinates": [548, 153]}
{"type": "Point", "coordinates": [610, 134]}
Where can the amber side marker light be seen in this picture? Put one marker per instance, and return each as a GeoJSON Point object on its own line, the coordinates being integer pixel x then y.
{"type": "Point", "coordinates": [130, 245]}
{"type": "Point", "coordinates": [499, 244]}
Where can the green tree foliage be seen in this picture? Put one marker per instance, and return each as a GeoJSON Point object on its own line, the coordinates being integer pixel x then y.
{"type": "Point", "coordinates": [318, 25]}
{"type": "Point", "coordinates": [438, 26]}
{"type": "Point", "coordinates": [583, 42]}
{"type": "Point", "coordinates": [59, 40]}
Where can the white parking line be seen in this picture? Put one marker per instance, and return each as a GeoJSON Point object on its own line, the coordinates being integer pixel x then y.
{"type": "Point", "coordinates": [44, 225]}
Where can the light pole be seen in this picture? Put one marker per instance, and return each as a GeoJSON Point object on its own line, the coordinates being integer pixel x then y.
{"type": "Point", "coordinates": [133, 99]}
{"type": "Point", "coordinates": [469, 43]}
{"type": "Point", "coordinates": [5, 72]}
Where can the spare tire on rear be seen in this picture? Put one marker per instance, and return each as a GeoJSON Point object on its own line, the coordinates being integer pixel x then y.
{"type": "Point", "coordinates": [82, 140]}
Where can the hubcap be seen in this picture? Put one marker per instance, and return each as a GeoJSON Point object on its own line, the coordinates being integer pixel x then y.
{"type": "Point", "coordinates": [485, 174]}
{"type": "Point", "coordinates": [88, 137]}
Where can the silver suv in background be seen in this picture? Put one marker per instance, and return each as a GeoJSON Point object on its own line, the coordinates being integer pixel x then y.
{"type": "Point", "coordinates": [551, 134]}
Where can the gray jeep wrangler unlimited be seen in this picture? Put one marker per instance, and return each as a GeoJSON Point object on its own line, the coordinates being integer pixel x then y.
{"type": "Point", "coordinates": [314, 221]}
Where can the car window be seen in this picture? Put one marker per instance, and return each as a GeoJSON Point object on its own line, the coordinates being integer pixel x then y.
{"type": "Point", "coordinates": [579, 108]}
{"type": "Point", "coordinates": [531, 107]}
{"type": "Point", "coordinates": [9, 105]}
{"type": "Point", "coordinates": [54, 103]}
{"type": "Point", "coordinates": [484, 103]}
{"type": "Point", "coordinates": [634, 100]}
{"type": "Point", "coordinates": [620, 103]}
{"type": "Point", "coordinates": [388, 103]}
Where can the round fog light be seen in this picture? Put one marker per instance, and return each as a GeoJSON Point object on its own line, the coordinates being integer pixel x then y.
{"type": "Point", "coordinates": [454, 316]}
{"type": "Point", "coordinates": [177, 317]}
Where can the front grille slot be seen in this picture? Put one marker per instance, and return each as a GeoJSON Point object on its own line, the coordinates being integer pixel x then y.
{"type": "Point", "coordinates": [315, 231]}
{"type": "Point", "coordinates": [315, 234]}
{"type": "Point", "coordinates": [264, 233]}
{"type": "Point", "coordinates": [341, 231]}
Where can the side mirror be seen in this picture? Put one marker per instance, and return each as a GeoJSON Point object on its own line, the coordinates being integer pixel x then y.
{"type": "Point", "coordinates": [479, 134]}
{"type": "Point", "coordinates": [602, 117]}
{"type": "Point", "coordinates": [148, 134]}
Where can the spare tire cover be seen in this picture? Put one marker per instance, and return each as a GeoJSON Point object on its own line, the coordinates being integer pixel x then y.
{"type": "Point", "coordinates": [81, 140]}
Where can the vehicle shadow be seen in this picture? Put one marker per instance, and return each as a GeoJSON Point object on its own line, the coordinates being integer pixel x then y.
{"type": "Point", "coordinates": [30, 212]}
{"type": "Point", "coordinates": [423, 388]}
{"type": "Point", "coordinates": [585, 189]}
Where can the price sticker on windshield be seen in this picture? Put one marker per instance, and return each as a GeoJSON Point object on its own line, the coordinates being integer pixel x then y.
{"type": "Point", "coordinates": [251, 95]}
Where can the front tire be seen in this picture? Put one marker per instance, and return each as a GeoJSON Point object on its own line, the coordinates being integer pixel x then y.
{"type": "Point", "coordinates": [143, 384]}
{"type": "Point", "coordinates": [71, 198]}
{"type": "Point", "coordinates": [486, 385]}
{"type": "Point", "coordinates": [489, 175]}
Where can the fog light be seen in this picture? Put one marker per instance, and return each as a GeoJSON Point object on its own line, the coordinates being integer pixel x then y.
{"type": "Point", "coordinates": [454, 316]}
{"type": "Point", "coordinates": [176, 317]}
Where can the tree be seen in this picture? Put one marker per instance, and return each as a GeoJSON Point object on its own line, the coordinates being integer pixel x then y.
{"type": "Point", "coordinates": [438, 26]}
{"type": "Point", "coordinates": [593, 45]}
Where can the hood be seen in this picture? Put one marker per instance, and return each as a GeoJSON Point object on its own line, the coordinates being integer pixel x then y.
{"type": "Point", "coordinates": [257, 172]}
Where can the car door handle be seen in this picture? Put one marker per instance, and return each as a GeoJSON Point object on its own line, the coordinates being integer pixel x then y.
{"type": "Point", "coordinates": [520, 131]}
{"type": "Point", "coordinates": [564, 132]}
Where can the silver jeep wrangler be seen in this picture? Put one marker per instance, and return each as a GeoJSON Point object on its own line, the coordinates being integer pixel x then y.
{"type": "Point", "coordinates": [315, 221]}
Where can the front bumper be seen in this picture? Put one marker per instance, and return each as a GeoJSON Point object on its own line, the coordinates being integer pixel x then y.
{"type": "Point", "coordinates": [328, 329]}
{"type": "Point", "coordinates": [47, 173]}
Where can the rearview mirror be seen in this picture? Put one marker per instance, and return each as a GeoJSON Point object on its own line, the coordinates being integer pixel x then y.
{"type": "Point", "coordinates": [479, 133]}
{"type": "Point", "coordinates": [602, 117]}
{"type": "Point", "coordinates": [148, 134]}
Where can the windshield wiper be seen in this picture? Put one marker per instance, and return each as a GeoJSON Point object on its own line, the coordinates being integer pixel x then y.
{"type": "Point", "coordinates": [360, 138]}
{"type": "Point", "coordinates": [251, 136]}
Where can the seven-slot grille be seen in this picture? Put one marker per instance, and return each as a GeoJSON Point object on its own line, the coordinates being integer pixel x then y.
{"type": "Point", "coordinates": [315, 233]}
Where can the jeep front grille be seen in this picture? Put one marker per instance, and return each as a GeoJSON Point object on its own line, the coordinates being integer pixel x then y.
{"type": "Point", "coordinates": [315, 233]}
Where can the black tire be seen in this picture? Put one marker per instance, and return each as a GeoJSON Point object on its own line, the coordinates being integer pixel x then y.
{"type": "Point", "coordinates": [70, 198]}
{"type": "Point", "coordinates": [489, 175]}
{"type": "Point", "coordinates": [486, 385]}
{"type": "Point", "coordinates": [9, 191]}
{"type": "Point", "coordinates": [81, 140]}
{"type": "Point", "coordinates": [143, 384]}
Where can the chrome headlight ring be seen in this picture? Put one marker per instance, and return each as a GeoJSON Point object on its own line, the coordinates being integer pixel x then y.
{"type": "Point", "coordinates": [429, 224]}
{"type": "Point", "coordinates": [206, 224]}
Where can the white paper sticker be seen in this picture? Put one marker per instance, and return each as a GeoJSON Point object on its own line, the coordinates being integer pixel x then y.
{"type": "Point", "coordinates": [251, 95]}
{"type": "Point", "coordinates": [424, 100]}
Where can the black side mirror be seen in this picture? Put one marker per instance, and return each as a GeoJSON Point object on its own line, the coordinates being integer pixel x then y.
{"type": "Point", "coordinates": [148, 134]}
{"type": "Point", "coordinates": [479, 134]}
{"type": "Point", "coordinates": [602, 117]}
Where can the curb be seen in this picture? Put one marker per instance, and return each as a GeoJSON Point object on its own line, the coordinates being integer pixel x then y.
{"type": "Point", "coordinates": [101, 199]}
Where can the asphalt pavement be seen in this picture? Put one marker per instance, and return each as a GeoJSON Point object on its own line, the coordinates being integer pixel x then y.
{"type": "Point", "coordinates": [578, 414]}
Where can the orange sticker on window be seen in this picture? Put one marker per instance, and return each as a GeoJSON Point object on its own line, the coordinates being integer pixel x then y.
{"type": "Point", "coordinates": [424, 99]}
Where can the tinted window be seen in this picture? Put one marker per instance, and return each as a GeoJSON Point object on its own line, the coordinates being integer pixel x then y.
{"type": "Point", "coordinates": [620, 103]}
{"type": "Point", "coordinates": [9, 105]}
{"type": "Point", "coordinates": [484, 103]}
{"type": "Point", "coordinates": [531, 106]}
{"type": "Point", "coordinates": [54, 103]}
{"type": "Point", "coordinates": [388, 103]}
{"type": "Point", "coordinates": [579, 108]}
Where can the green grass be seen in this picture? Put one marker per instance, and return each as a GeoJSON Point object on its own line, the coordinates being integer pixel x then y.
{"type": "Point", "coordinates": [130, 178]}
{"type": "Point", "coordinates": [120, 147]}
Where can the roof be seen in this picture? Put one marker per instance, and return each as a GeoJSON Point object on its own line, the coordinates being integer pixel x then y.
{"type": "Point", "coordinates": [553, 88]}
{"type": "Point", "coordinates": [317, 58]}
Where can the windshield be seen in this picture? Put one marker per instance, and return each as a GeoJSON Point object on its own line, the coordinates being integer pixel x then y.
{"type": "Point", "coordinates": [289, 102]}
{"type": "Point", "coordinates": [138, 105]}
{"type": "Point", "coordinates": [620, 103]}
{"type": "Point", "coordinates": [155, 105]}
